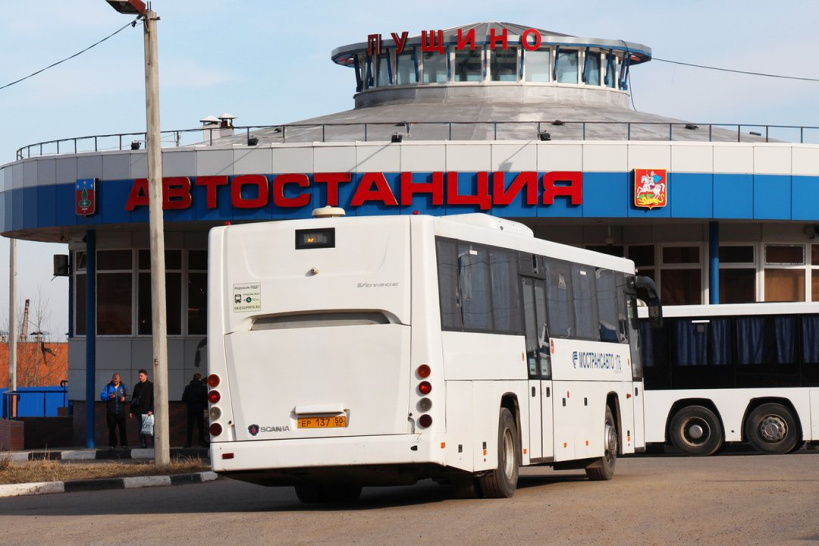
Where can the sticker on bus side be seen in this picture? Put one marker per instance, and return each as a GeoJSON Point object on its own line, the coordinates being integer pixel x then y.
{"type": "Point", "coordinates": [247, 297]}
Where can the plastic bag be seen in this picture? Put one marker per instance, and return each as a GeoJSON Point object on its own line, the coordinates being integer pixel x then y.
{"type": "Point", "coordinates": [147, 425]}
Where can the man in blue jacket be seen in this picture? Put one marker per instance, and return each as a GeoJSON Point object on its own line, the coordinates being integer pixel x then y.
{"type": "Point", "coordinates": [113, 394]}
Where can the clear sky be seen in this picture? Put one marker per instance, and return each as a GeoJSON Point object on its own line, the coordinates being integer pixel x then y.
{"type": "Point", "coordinates": [268, 62]}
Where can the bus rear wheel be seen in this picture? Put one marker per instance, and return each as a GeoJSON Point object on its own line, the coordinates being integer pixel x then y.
{"type": "Point", "coordinates": [603, 468]}
{"type": "Point", "coordinates": [696, 431]}
{"type": "Point", "coordinates": [771, 429]}
{"type": "Point", "coordinates": [502, 482]}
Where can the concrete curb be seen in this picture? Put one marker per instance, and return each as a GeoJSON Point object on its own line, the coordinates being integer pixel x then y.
{"type": "Point", "coordinates": [46, 488]}
{"type": "Point", "coordinates": [100, 454]}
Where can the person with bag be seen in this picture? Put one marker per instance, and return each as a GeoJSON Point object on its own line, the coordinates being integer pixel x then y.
{"type": "Point", "coordinates": [113, 394]}
{"type": "Point", "coordinates": [142, 404]}
{"type": "Point", "coordinates": [195, 397]}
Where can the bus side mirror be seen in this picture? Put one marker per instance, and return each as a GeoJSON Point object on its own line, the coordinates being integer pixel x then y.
{"type": "Point", "coordinates": [647, 292]}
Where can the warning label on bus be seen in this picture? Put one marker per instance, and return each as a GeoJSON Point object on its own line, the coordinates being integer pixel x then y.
{"type": "Point", "coordinates": [247, 297]}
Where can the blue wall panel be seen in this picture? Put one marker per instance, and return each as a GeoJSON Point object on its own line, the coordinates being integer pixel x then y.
{"type": "Point", "coordinates": [18, 204]}
{"type": "Point", "coordinates": [64, 207]}
{"type": "Point", "coordinates": [606, 195]}
{"type": "Point", "coordinates": [691, 195]}
{"type": "Point", "coordinates": [772, 197]}
{"type": "Point", "coordinates": [805, 201]}
{"type": "Point", "coordinates": [112, 198]}
{"type": "Point", "coordinates": [734, 196]}
{"type": "Point", "coordinates": [46, 207]}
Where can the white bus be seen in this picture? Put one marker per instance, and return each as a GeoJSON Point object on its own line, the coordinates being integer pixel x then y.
{"type": "Point", "coordinates": [382, 350]}
{"type": "Point", "coordinates": [733, 373]}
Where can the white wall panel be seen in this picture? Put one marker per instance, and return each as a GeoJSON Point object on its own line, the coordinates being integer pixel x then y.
{"type": "Point", "coordinates": [805, 160]}
{"type": "Point", "coordinates": [691, 158]}
{"type": "Point", "coordinates": [733, 158]}
{"type": "Point", "coordinates": [514, 157]}
{"type": "Point", "coordinates": [89, 166]}
{"type": "Point", "coordinates": [555, 156]}
{"type": "Point", "coordinates": [471, 157]}
{"type": "Point", "coordinates": [334, 159]}
{"type": "Point", "coordinates": [66, 170]}
{"type": "Point", "coordinates": [116, 166]}
{"type": "Point", "coordinates": [46, 172]}
{"type": "Point", "coordinates": [292, 159]}
{"type": "Point", "coordinates": [17, 177]}
{"type": "Point", "coordinates": [214, 162]}
{"type": "Point", "coordinates": [252, 161]}
{"type": "Point", "coordinates": [772, 159]}
{"type": "Point", "coordinates": [29, 173]}
{"type": "Point", "coordinates": [139, 166]}
{"type": "Point", "coordinates": [176, 356]}
{"type": "Point", "coordinates": [605, 157]}
{"type": "Point", "coordinates": [378, 158]}
{"type": "Point", "coordinates": [423, 157]}
{"type": "Point", "coordinates": [178, 163]}
{"type": "Point", "coordinates": [649, 156]}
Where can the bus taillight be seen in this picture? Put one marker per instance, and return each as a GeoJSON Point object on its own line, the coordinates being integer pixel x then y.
{"type": "Point", "coordinates": [425, 387]}
{"type": "Point", "coordinates": [214, 396]}
{"type": "Point", "coordinates": [215, 429]}
{"type": "Point", "coordinates": [213, 380]}
{"type": "Point", "coordinates": [425, 420]}
{"type": "Point", "coordinates": [423, 371]}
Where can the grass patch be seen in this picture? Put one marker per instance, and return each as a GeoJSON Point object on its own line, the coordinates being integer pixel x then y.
{"type": "Point", "coordinates": [61, 471]}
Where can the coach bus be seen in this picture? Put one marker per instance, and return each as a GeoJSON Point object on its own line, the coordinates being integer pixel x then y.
{"type": "Point", "coordinates": [355, 351]}
{"type": "Point", "coordinates": [733, 373]}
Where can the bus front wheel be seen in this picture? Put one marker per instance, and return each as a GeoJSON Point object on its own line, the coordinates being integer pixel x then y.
{"type": "Point", "coordinates": [697, 431]}
{"type": "Point", "coordinates": [771, 429]}
{"type": "Point", "coordinates": [603, 468]}
{"type": "Point", "coordinates": [502, 482]}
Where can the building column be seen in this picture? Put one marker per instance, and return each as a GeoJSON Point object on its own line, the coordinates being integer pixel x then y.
{"type": "Point", "coordinates": [713, 263]}
{"type": "Point", "coordinates": [90, 336]}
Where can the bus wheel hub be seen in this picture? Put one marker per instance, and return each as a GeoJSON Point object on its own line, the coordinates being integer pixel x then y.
{"type": "Point", "coordinates": [773, 429]}
{"type": "Point", "coordinates": [695, 432]}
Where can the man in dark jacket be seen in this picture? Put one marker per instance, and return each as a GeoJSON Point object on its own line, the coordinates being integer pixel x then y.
{"type": "Point", "coordinates": [142, 404]}
{"type": "Point", "coordinates": [113, 394]}
{"type": "Point", "coordinates": [196, 398]}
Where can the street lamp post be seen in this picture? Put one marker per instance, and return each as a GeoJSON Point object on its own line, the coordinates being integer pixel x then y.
{"type": "Point", "coordinates": [156, 228]}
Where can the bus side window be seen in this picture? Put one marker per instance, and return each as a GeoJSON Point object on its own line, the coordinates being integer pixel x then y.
{"type": "Point", "coordinates": [607, 315]}
{"type": "Point", "coordinates": [560, 299]}
{"type": "Point", "coordinates": [448, 294]}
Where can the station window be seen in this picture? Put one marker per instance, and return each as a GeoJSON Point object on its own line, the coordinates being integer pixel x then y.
{"type": "Point", "coordinates": [566, 66]}
{"type": "Point", "coordinates": [536, 65]}
{"type": "Point", "coordinates": [435, 67]}
{"type": "Point", "coordinates": [384, 70]}
{"type": "Point", "coordinates": [115, 282]}
{"type": "Point", "coordinates": [643, 258]}
{"type": "Point", "coordinates": [611, 70]}
{"type": "Point", "coordinates": [197, 292]}
{"type": "Point", "coordinates": [814, 273]}
{"type": "Point", "coordinates": [468, 65]}
{"type": "Point", "coordinates": [405, 68]}
{"type": "Point", "coordinates": [784, 272]}
{"type": "Point", "coordinates": [173, 293]}
{"type": "Point", "coordinates": [737, 274]}
{"type": "Point", "coordinates": [503, 65]}
{"type": "Point", "coordinates": [681, 275]}
{"type": "Point", "coordinates": [591, 68]}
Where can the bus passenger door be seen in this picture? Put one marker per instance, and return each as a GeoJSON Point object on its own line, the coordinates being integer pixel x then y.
{"type": "Point", "coordinates": [539, 362]}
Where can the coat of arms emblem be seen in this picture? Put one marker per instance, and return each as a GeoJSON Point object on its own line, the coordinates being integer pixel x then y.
{"type": "Point", "coordinates": [650, 188]}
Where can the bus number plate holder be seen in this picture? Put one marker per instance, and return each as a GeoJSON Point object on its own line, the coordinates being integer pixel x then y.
{"type": "Point", "coordinates": [333, 421]}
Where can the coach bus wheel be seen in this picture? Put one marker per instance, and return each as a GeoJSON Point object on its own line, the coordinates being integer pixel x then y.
{"type": "Point", "coordinates": [696, 430]}
{"type": "Point", "coordinates": [603, 468]}
{"type": "Point", "coordinates": [502, 482]}
{"type": "Point", "coordinates": [771, 428]}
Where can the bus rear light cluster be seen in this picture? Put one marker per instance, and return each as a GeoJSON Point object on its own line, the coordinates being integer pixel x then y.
{"type": "Point", "coordinates": [214, 397]}
{"type": "Point", "coordinates": [424, 388]}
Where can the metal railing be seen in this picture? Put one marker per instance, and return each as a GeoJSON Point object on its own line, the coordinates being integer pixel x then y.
{"type": "Point", "coordinates": [444, 130]}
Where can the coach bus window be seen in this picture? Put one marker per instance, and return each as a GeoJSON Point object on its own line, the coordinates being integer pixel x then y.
{"type": "Point", "coordinates": [506, 304]}
{"type": "Point", "coordinates": [608, 319]}
{"type": "Point", "coordinates": [448, 285]}
{"type": "Point", "coordinates": [585, 302]}
{"type": "Point", "coordinates": [468, 67]}
{"type": "Point", "coordinates": [503, 65]}
{"type": "Point", "coordinates": [405, 69]}
{"type": "Point", "coordinates": [559, 299]}
{"type": "Point", "coordinates": [474, 284]}
{"type": "Point", "coordinates": [536, 65]}
{"type": "Point", "coordinates": [434, 67]}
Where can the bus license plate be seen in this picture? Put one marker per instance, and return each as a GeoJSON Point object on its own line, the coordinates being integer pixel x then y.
{"type": "Point", "coordinates": [337, 421]}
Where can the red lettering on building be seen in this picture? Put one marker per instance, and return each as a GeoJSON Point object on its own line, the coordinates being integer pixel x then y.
{"type": "Point", "coordinates": [373, 187]}
{"type": "Point", "coordinates": [282, 180]}
{"type": "Point", "coordinates": [494, 38]}
{"type": "Point", "coordinates": [433, 41]}
{"type": "Point", "coordinates": [138, 197]}
{"type": "Point", "coordinates": [373, 44]}
{"type": "Point", "coordinates": [524, 39]}
{"type": "Point", "coordinates": [210, 183]}
{"type": "Point", "coordinates": [176, 193]}
{"type": "Point", "coordinates": [506, 196]}
{"type": "Point", "coordinates": [435, 188]}
{"type": "Point", "coordinates": [238, 197]}
{"type": "Point", "coordinates": [480, 198]}
{"type": "Point", "coordinates": [563, 184]}
{"type": "Point", "coordinates": [469, 39]}
{"type": "Point", "coordinates": [399, 41]}
{"type": "Point", "coordinates": [333, 180]}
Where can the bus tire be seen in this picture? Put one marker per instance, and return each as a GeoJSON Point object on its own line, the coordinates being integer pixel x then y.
{"type": "Point", "coordinates": [696, 431]}
{"type": "Point", "coordinates": [501, 482]}
{"type": "Point", "coordinates": [603, 468]}
{"type": "Point", "coordinates": [310, 493]}
{"type": "Point", "coordinates": [771, 429]}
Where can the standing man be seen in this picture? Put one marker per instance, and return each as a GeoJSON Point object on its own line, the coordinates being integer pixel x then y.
{"type": "Point", "coordinates": [113, 394]}
{"type": "Point", "coordinates": [196, 398]}
{"type": "Point", "coordinates": [142, 404]}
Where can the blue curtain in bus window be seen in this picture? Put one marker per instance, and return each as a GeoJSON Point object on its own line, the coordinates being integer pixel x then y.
{"type": "Point", "coordinates": [647, 343]}
{"type": "Point", "coordinates": [690, 342]}
{"type": "Point", "coordinates": [448, 285]}
{"type": "Point", "coordinates": [560, 305]}
{"type": "Point", "coordinates": [784, 339]}
{"type": "Point", "coordinates": [719, 342]}
{"type": "Point", "coordinates": [810, 339]}
{"type": "Point", "coordinates": [752, 344]}
{"type": "Point", "coordinates": [608, 317]}
{"type": "Point", "coordinates": [505, 294]}
{"type": "Point", "coordinates": [473, 276]}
